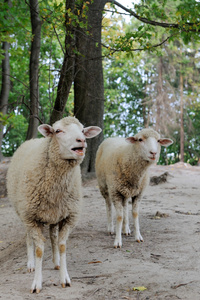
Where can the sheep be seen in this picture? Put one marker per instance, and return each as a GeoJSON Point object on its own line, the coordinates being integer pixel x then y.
{"type": "Point", "coordinates": [44, 186]}
{"type": "Point", "coordinates": [122, 172]}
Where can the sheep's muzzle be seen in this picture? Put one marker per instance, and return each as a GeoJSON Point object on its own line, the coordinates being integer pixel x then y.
{"type": "Point", "coordinates": [79, 150]}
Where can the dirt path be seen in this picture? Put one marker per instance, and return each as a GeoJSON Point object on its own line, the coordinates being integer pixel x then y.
{"type": "Point", "coordinates": [167, 264]}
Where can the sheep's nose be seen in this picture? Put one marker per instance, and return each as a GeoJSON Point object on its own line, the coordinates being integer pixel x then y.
{"type": "Point", "coordinates": [153, 153]}
{"type": "Point", "coordinates": [80, 140]}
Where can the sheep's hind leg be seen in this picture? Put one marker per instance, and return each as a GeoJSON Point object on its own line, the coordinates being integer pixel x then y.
{"type": "Point", "coordinates": [54, 230]}
{"type": "Point", "coordinates": [30, 253]}
{"type": "Point", "coordinates": [125, 228]}
{"type": "Point", "coordinates": [135, 213]}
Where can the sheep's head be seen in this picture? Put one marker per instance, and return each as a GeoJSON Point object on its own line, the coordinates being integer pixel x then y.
{"type": "Point", "coordinates": [70, 135]}
{"type": "Point", "coordinates": [148, 142]}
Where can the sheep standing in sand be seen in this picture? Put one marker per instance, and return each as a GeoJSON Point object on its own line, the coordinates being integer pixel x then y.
{"type": "Point", "coordinates": [122, 172]}
{"type": "Point", "coordinates": [44, 185]}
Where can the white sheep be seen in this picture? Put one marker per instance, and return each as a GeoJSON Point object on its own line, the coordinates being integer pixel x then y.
{"type": "Point", "coordinates": [122, 172]}
{"type": "Point", "coordinates": [44, 185]}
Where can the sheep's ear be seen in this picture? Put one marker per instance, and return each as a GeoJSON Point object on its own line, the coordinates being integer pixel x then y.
{"type": "Point", "coordinates": [46, 130]}
{"type": "Point", "coordinates": [131, 140]}
{"type": "Point", "coordinates": [91, 131]}
{"type": "Point", "coordinates": [165, 142]}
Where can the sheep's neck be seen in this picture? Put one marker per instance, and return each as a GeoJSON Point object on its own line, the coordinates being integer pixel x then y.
{"type": "Point", "coordinates": [135, 168]}
{"type": "Point", "coordinates": [55, 161]}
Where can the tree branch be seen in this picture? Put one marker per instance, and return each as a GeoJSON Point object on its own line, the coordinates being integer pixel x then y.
{"type": "Point", "coordinates": [151, 22]}
{"type": "Point", "coordinates": [137, 49]}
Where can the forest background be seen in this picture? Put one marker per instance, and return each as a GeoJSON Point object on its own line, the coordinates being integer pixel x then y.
{"type": "Point", "coordinates": [86, 58]}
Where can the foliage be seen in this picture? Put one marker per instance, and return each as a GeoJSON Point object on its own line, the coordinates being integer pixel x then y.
{"type": "Point", "coordinates": [124, 91]}
{"type": "Point", "coordinates": [131, 75]}
{"type": "Point", "coordinates": [135, 92]}
{"type": "Point", "coordinates": [14, 137]}
{"type": "Point", "coordinates": [176, 19]}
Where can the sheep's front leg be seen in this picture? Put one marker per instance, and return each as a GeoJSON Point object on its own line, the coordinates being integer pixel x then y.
{"type": "Point", "coordinates": [65, 228]}
{"type": "Point", "coordinates": [30, 253]}
{"type": "Point", "coordinates": [119, 220]}
{"type": "Point", "coordinates": [135, 213]}
{"type": "Point", "coordinates": [54, 230]}
{"type": "Point", "coordinates": [38, 238]}
{"type": "Point", "coordinates": [126, 229]}
{"type": "Point", "coordinates": [109, 211]}
{"type": "Point", "coordinates": [64, 276]}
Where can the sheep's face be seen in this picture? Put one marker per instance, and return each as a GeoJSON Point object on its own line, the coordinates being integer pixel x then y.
{"type": "Point", "coordinates": [71, 137]}
{"type": "Point", "coordinates": [149, 143]}
{"type": "Point", "coordinates": [71, 140]}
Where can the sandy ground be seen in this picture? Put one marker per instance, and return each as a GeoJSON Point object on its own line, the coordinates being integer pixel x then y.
{"type": "Point", "coordinates": [167, 264]}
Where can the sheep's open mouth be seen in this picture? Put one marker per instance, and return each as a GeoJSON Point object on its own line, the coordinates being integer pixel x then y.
{"type": "Point", "coordinates": [78, 150]}
{"type": "Point", "coordinates": [152, 158]}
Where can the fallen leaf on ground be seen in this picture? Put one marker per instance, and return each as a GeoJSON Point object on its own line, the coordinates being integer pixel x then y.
{"type": "Point", "coordinates": [139, 288]}
{"type": "Point", "coordinates": [95, 262]}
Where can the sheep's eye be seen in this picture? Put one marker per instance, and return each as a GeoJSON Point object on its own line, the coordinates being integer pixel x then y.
{"type": "Point", "coordinates": [158, 141]}
{"type": "Point", "coordinates": [58, 130]}
{"type": "Point", "coordinates": [140, 140]}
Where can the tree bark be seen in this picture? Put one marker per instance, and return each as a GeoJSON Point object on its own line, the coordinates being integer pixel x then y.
{"type": "Point", "coordinates": [67, 70]}
{"type": "Point", "coordinates": [88, 83]}
{"type": "Point", "coordinates": [5, 83]}
{"type": "Point", "coordinates": [159, 95]}
{"type": "Point", "coordinates": [5, 88]}
{"type": "Point", "coordinates": [34, 69]}
{"type": "Point", "coordinates": [182, 123]}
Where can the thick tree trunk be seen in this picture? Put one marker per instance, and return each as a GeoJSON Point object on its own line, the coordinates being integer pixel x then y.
{"type": "Point", "coordinates": [34, 69]}
{"type": "Point", "coordinates": [88, 83]}
{"type": "Point", "coordinates": [5, 83]}
{"type": "Point", "coordinates": [159, 95]}
{"type": "Point", "coordinates": [67, 70]}
{"type": "Point", "coordinates": [182, 123]}
{"type": "Point", "coordinates": [5, 87]}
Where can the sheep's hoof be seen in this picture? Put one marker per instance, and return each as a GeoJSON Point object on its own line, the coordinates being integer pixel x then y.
{"type": "Point", "coordinates": [127, 233]}
{"type": "Point", "coordinates": [31, 270]}
{"type": "Point", "coordinates": [57, 268]}
{"type": "Point", "coordinates": [37, 291]}
{"type": "Point", "coordinates": [117, 246]}
{"type": "Point", "coordinates": [139, 241]}
{"type": "Point", "coordinates": [64, 285]}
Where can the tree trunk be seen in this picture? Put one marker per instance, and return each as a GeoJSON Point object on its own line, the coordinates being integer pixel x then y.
{"type": "Point", "coordinates": [182, 123]}
{"type": "Point", "coordinates": [159, 96]}
{"type": "Point", "coordinates": [67, 70]}
{"type": "Point", "coordinates": [5, 88]}
{"type": "Point", "coordinates": [34, 69]}
{"type": "Point", "coordinates": [144, 110]}
{"type": "Point", "coordinates": [5, 83]}
{"type": "Point", "coordinates": [88, 83]}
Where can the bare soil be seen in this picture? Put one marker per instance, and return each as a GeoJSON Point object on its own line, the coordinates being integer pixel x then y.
{"type": "Point", "coordinates": [167, 264]}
